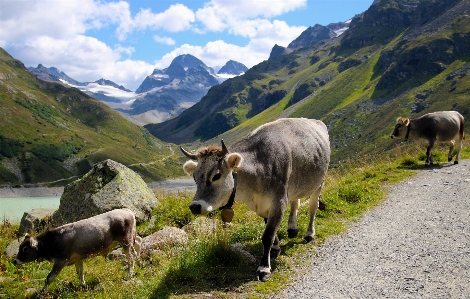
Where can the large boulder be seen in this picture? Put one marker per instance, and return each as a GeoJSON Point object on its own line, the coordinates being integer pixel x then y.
{"type": "Point", "coordinates": [35, 221]}
{"type": "Point", "coordinates": [108, 185]}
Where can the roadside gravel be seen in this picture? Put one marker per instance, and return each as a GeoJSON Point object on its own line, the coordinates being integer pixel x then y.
{"type": "Point", "coordinates": [415, 245]}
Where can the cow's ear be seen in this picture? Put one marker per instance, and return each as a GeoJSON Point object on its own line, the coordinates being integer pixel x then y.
{"type": "Point", "coordinates": [189, 167]}
{"type": "Point", "coordinates": [406, 122]}
{"type": "Point", "coordinates": [234, 160]}
{"type": "Point", "coordinates": [33, 243]}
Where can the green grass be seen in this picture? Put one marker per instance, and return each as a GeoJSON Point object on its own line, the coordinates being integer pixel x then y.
{"type": "Point", "coordinates": [207, 265]}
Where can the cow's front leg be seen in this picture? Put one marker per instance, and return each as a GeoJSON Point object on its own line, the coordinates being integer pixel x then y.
{"type": "Point", "coordinates": [269, 235]}
{"type": "Point", "coordinates": [429, 160]}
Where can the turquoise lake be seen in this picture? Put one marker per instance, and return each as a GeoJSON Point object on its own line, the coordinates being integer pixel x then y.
{"type": "Point", "coordinates": [12, 209]}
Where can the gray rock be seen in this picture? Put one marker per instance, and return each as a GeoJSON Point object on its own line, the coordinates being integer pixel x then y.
{"type": "Point", "coordinates": [164, 238]}
{"type": "Point", "coordinates": [12, 249]}
{"type": "Point", "coordinates": [35, 221]}
{"type": "Point", "coordinates": [108, 185]}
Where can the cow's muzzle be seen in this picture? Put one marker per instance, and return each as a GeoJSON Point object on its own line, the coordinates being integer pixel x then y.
{"type": "Point", "coordinates": [195, 208]}
{"type": "Point", "coordinates": [17, 262]}
{"type": "Point", "coordinates": [200, 207]}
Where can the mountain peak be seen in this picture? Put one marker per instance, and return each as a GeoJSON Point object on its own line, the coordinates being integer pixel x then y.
{"type": "Point", "coordinates": [233, 67]}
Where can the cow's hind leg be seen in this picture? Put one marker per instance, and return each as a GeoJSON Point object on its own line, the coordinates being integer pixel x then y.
{"type": "Point", "coordinates": [459, 147]}
{"type": "Point", "coordinates": [313, 206]}
{"type": "Point", "coordinates": [292, 229]}
{"type": "Point", "coordinates": [451, 150]}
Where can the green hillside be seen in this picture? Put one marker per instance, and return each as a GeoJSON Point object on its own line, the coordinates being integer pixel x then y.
{"type": "Point", "coordinates": [394, 60]}
{"type": "Point", "coordinates": [52, 134]}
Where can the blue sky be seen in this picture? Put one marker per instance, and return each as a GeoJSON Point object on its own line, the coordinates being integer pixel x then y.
{"type": "Point", "coordinates": [124, 41]}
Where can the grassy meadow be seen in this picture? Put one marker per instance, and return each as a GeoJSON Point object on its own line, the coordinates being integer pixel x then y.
{"type": "Point", "coordinates": [207, 266]}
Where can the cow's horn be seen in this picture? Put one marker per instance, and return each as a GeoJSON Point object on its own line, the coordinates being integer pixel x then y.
{"type": "Point", "coordinates": [187, 154]}
{"type": "Point", "coordinates": [224, 149]}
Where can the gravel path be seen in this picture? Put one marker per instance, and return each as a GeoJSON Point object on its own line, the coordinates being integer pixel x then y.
{"type": "Point", "coordinates": [415, 245]}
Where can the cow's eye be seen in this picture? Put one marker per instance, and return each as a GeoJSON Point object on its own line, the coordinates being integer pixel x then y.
{"type": "Point", "coordinates": [25, 249]}
{"type": "Point", "coordinates": [216, 177]}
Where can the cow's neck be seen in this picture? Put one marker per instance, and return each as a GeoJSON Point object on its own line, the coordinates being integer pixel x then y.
{"type": "Point", "coordinates": [231, 200]}
{"type": "Point", "coordinates": [408, 129]}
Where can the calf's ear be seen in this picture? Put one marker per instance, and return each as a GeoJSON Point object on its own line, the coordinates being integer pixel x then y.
{"type": "Point", "coordinates": [234, 160]}
{"type": "Point", "coordinates": [33, 243]}
{"type": "Point", "coordinates": [189, 167]}
{"type": "Point", "coordinates": [406, 122]}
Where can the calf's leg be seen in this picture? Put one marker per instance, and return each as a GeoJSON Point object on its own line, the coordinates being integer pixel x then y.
{"type": "Point", "coordinates": [131, 255]}
{"type": "Point", "coordinates": [56, 268]}
{"type": "Point", "coordinates": [79, 269]}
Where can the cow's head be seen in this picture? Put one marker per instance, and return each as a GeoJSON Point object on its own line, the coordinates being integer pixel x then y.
{"type": "Point", "coordinates": [401, 127]}
{"type": "Point", "coordinates": [28, 251]}
{"type": "Point", "coordinates": [211, 168]}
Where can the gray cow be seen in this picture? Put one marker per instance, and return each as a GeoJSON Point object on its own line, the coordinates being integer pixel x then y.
{"type": "Point", "coordinates": [72, 243]}
{"type": "Point", "coordinates": [275, 165]}
{"type": "Point", "coordinates": [442, 126]}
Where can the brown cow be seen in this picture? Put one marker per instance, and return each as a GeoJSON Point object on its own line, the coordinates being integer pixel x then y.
{"type": "Point", "coordinates": [71, 243]}
{"type": "Point", "coordinates": [442, 126]}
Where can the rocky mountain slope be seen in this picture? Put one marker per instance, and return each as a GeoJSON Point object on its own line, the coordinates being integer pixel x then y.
{"type": "Point", "coordinates": [404, 57]}
{"type": "Point", "coordinates": [233, 68]}
{"type": "Point", "coordinates": [166, 93]}
{"type": "Point", "coordinates": [54, 133]}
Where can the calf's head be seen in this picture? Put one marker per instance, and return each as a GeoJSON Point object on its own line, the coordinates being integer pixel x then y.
{"type": "Point", "coordinates": [28, 251]}
{"type": "Point", "coordinates": [400, 128]}
{"type": "Point", "coordinates": [211, 168]}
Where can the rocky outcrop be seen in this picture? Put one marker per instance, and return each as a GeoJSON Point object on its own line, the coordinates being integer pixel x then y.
{"type": "Point", "coordinates": [108, 185]}
{"type": "Point", "coordinates": [35, 221]}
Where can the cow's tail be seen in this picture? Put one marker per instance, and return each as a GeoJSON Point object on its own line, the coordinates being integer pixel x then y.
{"type": "Point", "coordinates": [461, 132]}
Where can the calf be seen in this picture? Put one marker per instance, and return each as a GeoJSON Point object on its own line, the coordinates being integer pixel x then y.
{"type": "Point", "coordinates": [72, 243]}
{"type": "Point", "coordinates": [271, 168]}
{"type": "Point", "coordinates": [442, 126]}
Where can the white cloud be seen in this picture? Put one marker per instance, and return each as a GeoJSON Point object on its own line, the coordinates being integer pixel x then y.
{"type": "Point", "coordinates": [176, 18]}
{"type": "Point", "coordinates": [164, 40]}
{"type": "Point", "coordinates": [85, 59]}
{"type": "Point", "coordinates": [219, 15]}
{"type": "Point", "coordinates": [23, 19]}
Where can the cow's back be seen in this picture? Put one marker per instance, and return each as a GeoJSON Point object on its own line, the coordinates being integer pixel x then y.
{"type": "Point", "coordinates": [294, 151]}
{"type": "Point", "coordinates": [92, 235]}
{"type": "Point", "coordinates": [443, 125]}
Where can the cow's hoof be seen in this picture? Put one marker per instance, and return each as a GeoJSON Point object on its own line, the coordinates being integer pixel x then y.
{"type": "Point", "coordinates": [456, 162]}
{"type": "Point", "coordinates": [292, 233]}
{"type": "Point", "coordinates": [449, 159]}
{"type": "Point", "coordinates": [262, 275]}
{"type": "Point", "coordinates": [308, 239]}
